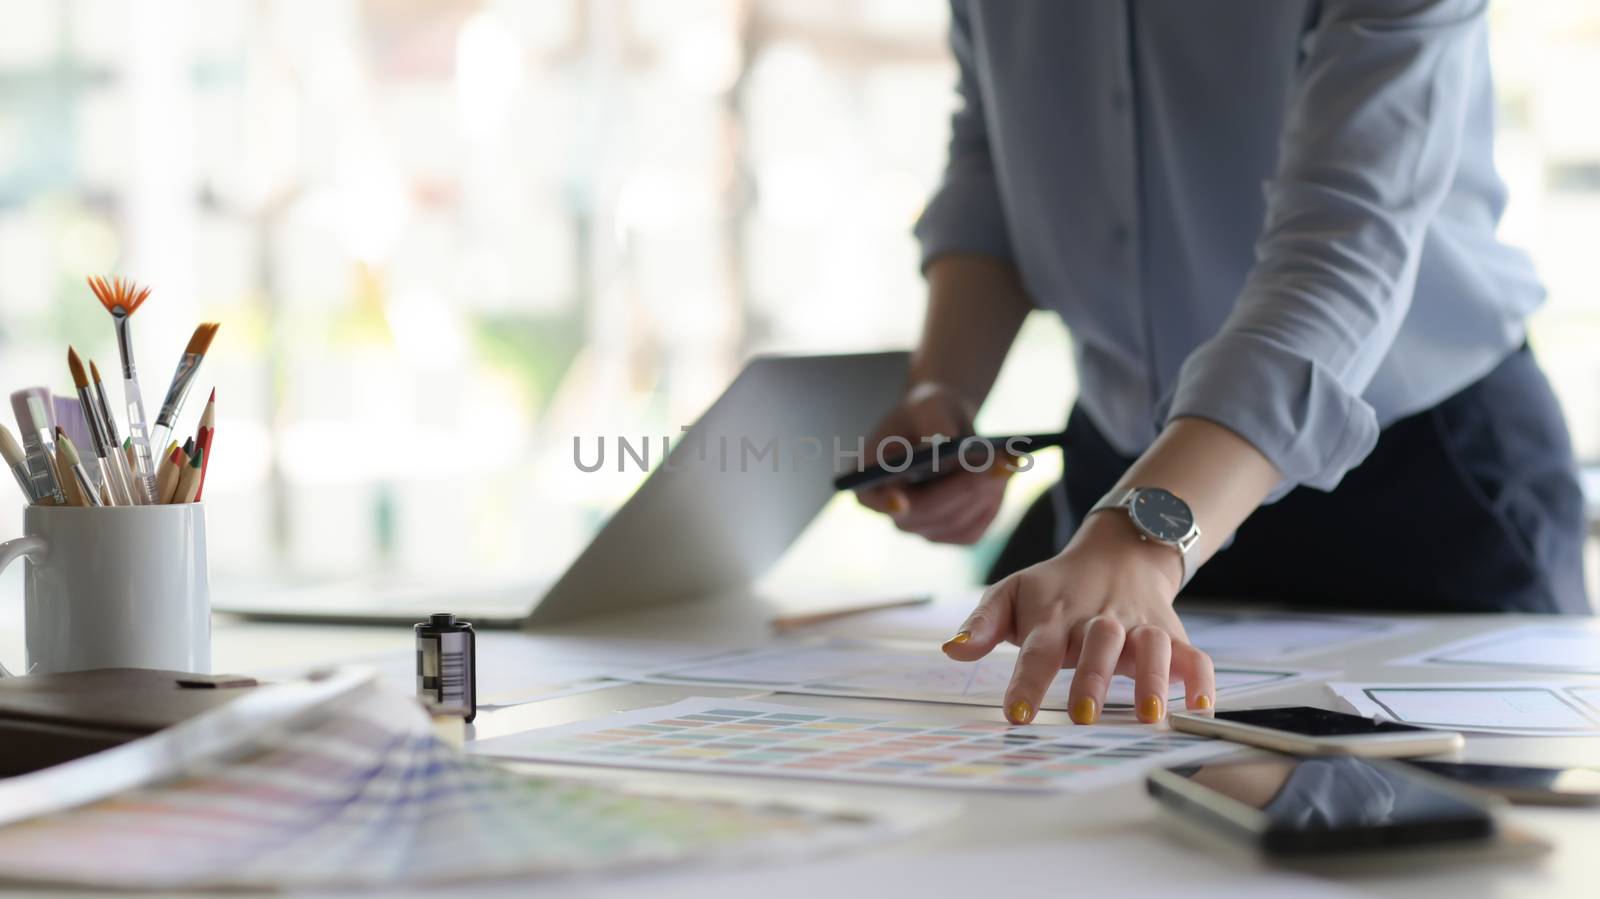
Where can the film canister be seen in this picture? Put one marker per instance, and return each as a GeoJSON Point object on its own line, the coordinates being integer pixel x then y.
{"type": "Point", "coordinates": [447, 675]}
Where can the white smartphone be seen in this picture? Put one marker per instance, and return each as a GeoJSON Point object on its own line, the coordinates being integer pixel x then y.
{"type": "Point", "coordinates": [1304, 730]}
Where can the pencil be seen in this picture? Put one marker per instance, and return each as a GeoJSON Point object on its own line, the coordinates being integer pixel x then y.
{"type": "Point", "coordinates": [786, 623]}
{"type": "Point", "coordinates": [203, 438]}
{"type": "Point", "coordinates": [171, 467]}
{"type": "Point", "coordinates": [189, 484]}
{"type": "Point", "coordinates": [69, 483]}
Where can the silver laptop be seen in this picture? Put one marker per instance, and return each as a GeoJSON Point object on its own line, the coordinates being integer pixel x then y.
{"type": "Point", "coordinates": [737, 489]}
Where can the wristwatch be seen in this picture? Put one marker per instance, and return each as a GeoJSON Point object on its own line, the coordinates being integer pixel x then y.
{"type": "Point", "coordinates": [1159, 516]}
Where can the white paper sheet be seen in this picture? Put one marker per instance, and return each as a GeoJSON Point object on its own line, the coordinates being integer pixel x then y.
{"type": "Point", "coordinates": [1131, 865]}
{"type": "Point", "coordinates": [737, 736]}
{"type": "Point", "coordinates": [1525, 708]}
{"type": "Point", "coordinates": [1275, 636]}
{"type": "Point", "coordinates": [855, 668]}
{"type": "Point", "coordinates": [515, 667]}
{"type": "Point", "coordinates": [1568, 647]}
{"type": "Point", "coordinates": [1248, 637]}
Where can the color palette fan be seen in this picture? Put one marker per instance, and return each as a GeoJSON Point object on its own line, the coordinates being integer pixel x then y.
{"type": "Point", "coordinates": [370, 797]}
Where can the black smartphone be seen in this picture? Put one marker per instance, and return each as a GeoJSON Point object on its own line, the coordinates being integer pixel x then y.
{"type": "Point", "coordinates": [1296, 807]}
{"type": "Point", "coordinates": [1306, 730]}
{"type": "Point", "coordinates": [1527, 786]}
{"type": "Point", "coordinates": [930, 463]}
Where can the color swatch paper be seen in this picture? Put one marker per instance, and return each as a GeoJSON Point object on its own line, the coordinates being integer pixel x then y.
{"type": "Point", "coordinates": [724, 736]}
{"type": "Point", "coordinates": [369, 797]}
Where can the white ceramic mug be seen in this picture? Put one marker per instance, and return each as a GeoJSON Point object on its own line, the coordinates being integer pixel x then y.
{"type": "Point", "coordinates": [114, 587]}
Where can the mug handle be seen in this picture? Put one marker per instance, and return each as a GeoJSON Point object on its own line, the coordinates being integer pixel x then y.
{"type": "Point", "coordinates": [10, 551]}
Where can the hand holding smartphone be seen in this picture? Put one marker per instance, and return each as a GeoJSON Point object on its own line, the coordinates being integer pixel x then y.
{"type": "Point", "coordinates": [932, 462]}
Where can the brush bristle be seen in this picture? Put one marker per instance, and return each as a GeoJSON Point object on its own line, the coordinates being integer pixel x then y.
{"type": "Point", "coordinates": [118, 293]}
{"type": "Point", "coordinates": [201, 341]}
{"type": "Point", "coordinates": [94, 371]}
{"type": "Point", "coordinates": [79, 377]}
{"type": "Point", "coordinates": [67, 448]}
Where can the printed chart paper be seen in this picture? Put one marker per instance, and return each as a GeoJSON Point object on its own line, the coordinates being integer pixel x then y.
{"type": "Point", "coordinates": [1523, 708]}
{"type": "Point", "coordinates": [368, 796]}
{"type": "Point", "coordinates": [1274, 636]}
{"type": "Point", "coordinates": [1245, 637]}
{"type": "Point", "coordinates": [725, 736]}
{"type": "Point", "coordinates": [842, 668]}
{"type": "Point", "coordinates": [1565, 648]}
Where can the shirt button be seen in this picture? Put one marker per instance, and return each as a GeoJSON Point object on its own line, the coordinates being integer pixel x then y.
{"type": "Point", "coordinates": [1120, 234]}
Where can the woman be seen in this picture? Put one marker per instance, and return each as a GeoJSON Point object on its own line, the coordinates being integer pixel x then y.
{"type": "Point", "coordinates": [1301, 350]}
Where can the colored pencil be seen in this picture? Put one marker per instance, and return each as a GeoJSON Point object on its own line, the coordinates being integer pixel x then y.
{"type": "Point", "coordinates": [203, 438]}
{"type": "Point", "coordinates": [171, 468]}
{"type": "Point", "coordinates": [189, 484]}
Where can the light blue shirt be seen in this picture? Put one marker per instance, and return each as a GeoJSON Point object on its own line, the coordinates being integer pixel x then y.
{"type": "Point", "coordinates": [1278, 215]}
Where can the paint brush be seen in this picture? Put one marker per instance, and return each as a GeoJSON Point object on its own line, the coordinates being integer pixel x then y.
{"type": "Point", "coordinates": [33, 419]}
{"type": "Point", "coordinates": [64, 476]}
{"type": "Point", "coordinates": [11, 451]}
{"type": "Point", "coordinates": [122, 299]}
{"type": "Point", "coordinates": [119, 459]}
{"type": "Point", "coordinates": [182, 379]}
{"type": "Point", "coordinates": [74, 462]}
{"type": "Point", "coordinates": [103, 449]}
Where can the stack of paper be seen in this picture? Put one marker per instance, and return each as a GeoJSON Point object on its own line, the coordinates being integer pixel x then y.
{"type": "Point", "coordinates": [360, 792]}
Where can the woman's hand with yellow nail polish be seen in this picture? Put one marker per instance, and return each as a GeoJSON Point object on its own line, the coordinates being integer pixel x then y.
{"type": "Point", "coordinates": [1102, 606]}
{"type": "Point", "coordinates": [956, 508]}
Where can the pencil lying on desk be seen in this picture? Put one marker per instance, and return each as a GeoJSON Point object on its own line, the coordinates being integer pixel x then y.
{"type": "Point", "coordinates": [785, 623]}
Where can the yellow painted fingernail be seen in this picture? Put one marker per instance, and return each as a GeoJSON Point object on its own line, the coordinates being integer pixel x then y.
{"type": "Point", "coordinates": [1202, 701]}
{"type": "Point", "coordinates": [957, 640]}
{"type": "Point", "coordinates": [1001, 469]}
{"type": "Point", "coordinates": [1084, 711]}
{"type": "Point", "coordinates": [897, 504]}
{"type": "Point", "coordinates": [1019, 712]}
{"type": "Point", "coordinates": [1150, 709]}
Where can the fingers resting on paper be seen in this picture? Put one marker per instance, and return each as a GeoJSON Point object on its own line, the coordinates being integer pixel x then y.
{"type": "Point", "coordinates": [1100, 617]}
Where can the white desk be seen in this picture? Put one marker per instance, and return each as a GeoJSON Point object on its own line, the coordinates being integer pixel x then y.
{"type": "Point", "coordinates": [1122, 813]}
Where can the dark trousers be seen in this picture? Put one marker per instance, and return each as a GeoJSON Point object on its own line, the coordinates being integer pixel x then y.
{"type": "Point", "coordinates": [1470, 506]}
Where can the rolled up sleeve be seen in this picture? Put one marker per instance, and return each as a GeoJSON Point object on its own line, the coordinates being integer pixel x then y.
{"type": "Point", "coordinates": [965, 215]}
{"type": "Point", "coordinates": [1368, 153]}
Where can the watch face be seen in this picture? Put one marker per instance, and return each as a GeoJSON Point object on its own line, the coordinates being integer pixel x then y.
{"type": "Point", "coordinates": [1161, 515]}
